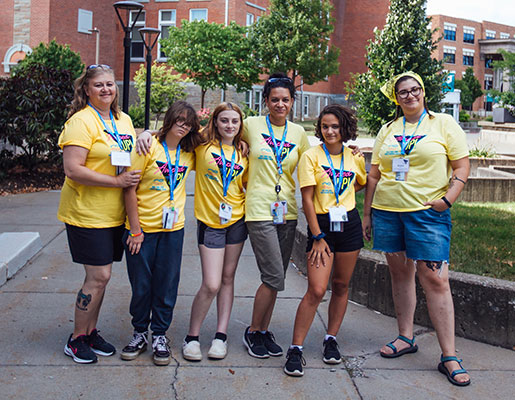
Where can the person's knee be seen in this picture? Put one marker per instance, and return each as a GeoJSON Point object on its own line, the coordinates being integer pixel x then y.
{"type": "Point", "coordinates": [431, 276]}
{"type": "Point", "coordinates": [315, 294]}
{"type": "Point", "coordinates": [227, 279]}
{"type": "Point", "coordinates": [211, 289]}
{"type": "Point", "coordinates": [99, 279]}
{"type": "Point", "coordinates": [339, 288]}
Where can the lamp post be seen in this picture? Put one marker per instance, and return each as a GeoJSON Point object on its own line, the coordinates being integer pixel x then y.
{"type": "Point", "coordinates": [97, 44]}
{"type": "Point", "coordinates": [128, 6]}
{"type": "Point", "coordinates": [146, 34]}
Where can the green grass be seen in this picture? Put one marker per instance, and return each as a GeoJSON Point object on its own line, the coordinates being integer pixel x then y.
{"type": "Point", "coordinates": [483, 242]}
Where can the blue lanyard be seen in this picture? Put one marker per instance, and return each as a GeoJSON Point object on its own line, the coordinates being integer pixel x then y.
{"type": "Point", "coordinates": [226, 178]}
{"type": "Point", "coordinates": [337, 183]}
{"type": "Point", "coordinates": [172, 179]}
{"type": "Point", "coordinates": [404, 141]}
{"type": "Point", "coordinates": [279, 150]}
{"type": "Point", "coordinates": [115, 133]}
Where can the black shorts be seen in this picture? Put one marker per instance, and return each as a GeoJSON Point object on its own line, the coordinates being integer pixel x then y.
{"type": "Point", "coordinates": [95, 246]}
{"type": "Point", "coordinates": [214, 238]}
{"type": "Point", "coordinates": [351, 239]}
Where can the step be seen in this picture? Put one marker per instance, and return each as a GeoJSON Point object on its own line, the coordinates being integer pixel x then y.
{"type": "Point", "coordinates": [16, 248]}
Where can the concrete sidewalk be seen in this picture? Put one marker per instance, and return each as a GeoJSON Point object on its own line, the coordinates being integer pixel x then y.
{"type": "Point", "coordinates": [36, 317]}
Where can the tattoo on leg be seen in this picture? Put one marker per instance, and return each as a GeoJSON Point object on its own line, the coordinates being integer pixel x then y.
{"type": "Point", "coordinates": [433, 265]}
{"type": "Point", "coordinates": [83, 300]}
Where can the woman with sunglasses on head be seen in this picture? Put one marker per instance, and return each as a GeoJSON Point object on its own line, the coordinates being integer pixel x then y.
{"type": "Point", "coordinates": [155, 230]}
{"type": "Point", "coordinates": [407, 204]}
{"type": "Point", "coordinates": [329, 175]}
{"type": "Point", "coordinates": [97, 141]}
{"type": "Point", "coordinates": [221, 175]}
{"type": "Point", "coordinates": [275, 146]}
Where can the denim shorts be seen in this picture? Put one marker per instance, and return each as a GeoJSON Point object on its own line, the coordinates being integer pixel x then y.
{"type": "Point", "coordinates": [423, 235]}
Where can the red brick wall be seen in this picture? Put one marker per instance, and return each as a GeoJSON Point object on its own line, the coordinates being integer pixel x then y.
{"type": "Point", "coordinates": [6, 30]}
{"type": "Point", "coordinates": [39, 22]}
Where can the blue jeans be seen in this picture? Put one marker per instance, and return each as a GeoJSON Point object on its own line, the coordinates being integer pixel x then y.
{"type": "Point", "coordinates": [154, 276]}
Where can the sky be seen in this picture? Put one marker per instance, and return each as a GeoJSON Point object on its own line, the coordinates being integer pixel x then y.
{"type": "Point", "coordinates": [500, 11]}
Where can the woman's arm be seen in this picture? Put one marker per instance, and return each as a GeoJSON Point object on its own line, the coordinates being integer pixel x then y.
{"type": "Point", "coordinates": [373, 177]}
{"type": "Point", "coordinates": [320, 251]}
{"type": "Point", "coordinates": [131, 206]}
{"type": "Point", "coordinates": [460, 173]}
{"type": "Point", "coordinates": [74, 161]}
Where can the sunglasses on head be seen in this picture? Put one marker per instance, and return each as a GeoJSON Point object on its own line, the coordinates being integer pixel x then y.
{"type": "Point", "coordinates": [93, 66]}
{"type": "Point", "coordinates": [282, 79]}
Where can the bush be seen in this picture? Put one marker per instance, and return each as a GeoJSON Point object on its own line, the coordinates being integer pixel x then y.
{"type": "Point", "coordinates": [33, 107]}
{"type": "Point", "coordinates": [137, 114]}
{"type": "Point", "coordinates": [249, 112]}
{"type": "Point", "coordinates": [489, 118]}
{"type": "Point", "coordinates": [464, 116]}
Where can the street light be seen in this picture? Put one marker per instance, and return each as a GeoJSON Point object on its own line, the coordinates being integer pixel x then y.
{"type": "Point", "coordinates": [128, 6]}
{"type": "Point", "coordinates": [97, 45]}
{"type": "Point", "coordinates": [146, 34]}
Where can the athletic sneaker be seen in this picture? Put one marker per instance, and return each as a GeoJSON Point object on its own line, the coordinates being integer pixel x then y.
{"type": "Point", "coordinates": [161, 350]}
{"type": "Point", "coordinates": [273, 348]}
{"type": "Point", "coordinates": [80, 350]}
{"type": "Point", "coordinates": [218, 349]}
{"type": "Point", "coordinates": [99, 345]}
{"type": "Point", "coordinates": [191, 350]}
{"type": "Point", "coordinates": [294, 362]}
{"type": "Point", "coordinates": [136, 346]}
{"type": "Point", "coordinates": [254, 342]}
{"type": "Point", "coordinates": [331, 352]}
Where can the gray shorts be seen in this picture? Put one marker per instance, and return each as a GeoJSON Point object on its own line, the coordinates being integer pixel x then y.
{"type": "Point", "coordinates": [214, 238]}
{"type": "Point", "coordinates": [272, 245]}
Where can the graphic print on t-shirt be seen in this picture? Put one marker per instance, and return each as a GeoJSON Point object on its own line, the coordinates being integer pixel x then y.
{"type": "Point", "coordinates": [410, 144]}
{"type": "Point", "coordinates": [163, 167]}
{"type": "Point", "coordinates": [238, 169]}
{"type": "Point", "coordinates": [288, 147]}
{"type": "Point", "coordinates": [348, 177]}
{"type": "Point", "coordinates": [126, 139]}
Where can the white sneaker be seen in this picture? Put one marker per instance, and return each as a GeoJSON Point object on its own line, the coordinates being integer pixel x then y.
{"type": "Point", "coordinates": [191, 351]}
{"type": "Point", "coordinates": [218, 349]}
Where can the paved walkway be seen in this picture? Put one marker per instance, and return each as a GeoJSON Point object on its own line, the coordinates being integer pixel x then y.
{"type": "Point", "coordinates": [36, 311]}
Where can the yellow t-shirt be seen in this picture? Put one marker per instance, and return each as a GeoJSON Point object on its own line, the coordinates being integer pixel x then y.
{"type": "Point", "coordinates": [315, 170]}
{"type": "Point", "coordinates": [263, 167]}
{"type": "Point", "coordinates": [209, 185]}
{"type": "Point", "coordinates": [153, 190]}
{"type": "Point", "coordinates": [94, 206]}
{"type": "Point", "coordinates": [436, 141]}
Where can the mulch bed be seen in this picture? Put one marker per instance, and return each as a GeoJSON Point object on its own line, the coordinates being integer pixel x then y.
{"type": "Point", "coordinates": [21, 180]}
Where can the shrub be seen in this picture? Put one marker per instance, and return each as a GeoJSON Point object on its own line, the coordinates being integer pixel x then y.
{"type": "Point", "coordinates": [489, 118]}
{"type": "Point", "coordinates": [464, 116]}
{"type": "Point", "coordinates": [137, 114]}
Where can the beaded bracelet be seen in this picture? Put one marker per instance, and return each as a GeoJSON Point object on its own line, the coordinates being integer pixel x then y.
{"type": "Point", "coordinates": [321, 235]}
{"type": "Point", "coordinates": [136, 234]}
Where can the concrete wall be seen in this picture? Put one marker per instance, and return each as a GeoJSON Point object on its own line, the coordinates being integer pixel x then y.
{"type": "Point", "coordinates": [489, 189]}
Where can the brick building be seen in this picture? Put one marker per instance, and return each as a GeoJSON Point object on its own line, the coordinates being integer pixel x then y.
{"type": "Point", "coordinates": [467, 43]}
{"type": "Point", "coordinates": [26, 23]}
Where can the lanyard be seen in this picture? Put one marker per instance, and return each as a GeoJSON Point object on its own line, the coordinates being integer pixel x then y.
{"type": "Point", "coordinates": [337, 183]}
{"type": "Point", "coordinates": [172, 179]}
{"type": "Point", "coordinates": [226, 178]}
{"type": "Point", "coordinates": [115, 133]}
{"type": "Point", "coordinates": [404, 141]}
{"type": "Point", "coordinates": [279, 150]}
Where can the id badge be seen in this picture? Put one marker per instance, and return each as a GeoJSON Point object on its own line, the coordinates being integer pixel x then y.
{"type": "Point", "coordinates": [279, 209]}
{"type": "Point", "coordinates": [170, 217]}
{"type": "Point", "coordinates": [121, 158]}
{"type": "Point", "coordinates": [400, 166]}
{"type": "Point", "coordinates": [337, 216]}
{"type": "Point", "coordinates": [225, 213]}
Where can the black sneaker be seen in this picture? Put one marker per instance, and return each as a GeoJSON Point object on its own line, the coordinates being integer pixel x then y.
{"type": "Point", "coordinates": [294, 362]}
{"type": "Point", "coordinates": [331, 352]}
{"type": "Point", "coordinates": [254, 342]}
{"type": "Point", "coordinates": [99, 345]}
{"type": "Point", "coordinates": [272, 347]}
{"type": "Point", "coordinates": [80, 350]}
{"type": "Point", "coordinates": [136, 346]}
{"type": "Point", "coordinates": [161, 350]}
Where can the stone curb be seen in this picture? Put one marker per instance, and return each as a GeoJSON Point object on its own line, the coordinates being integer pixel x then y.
{"type": "Point", "coordinates": [16, 248]}
{"type": "Point", "coordinates": [484, 307]}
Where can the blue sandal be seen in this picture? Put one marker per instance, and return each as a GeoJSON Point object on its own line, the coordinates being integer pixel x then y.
{"type": "Point", "coordinates": [451, 375]}
{"type": "Point", "coordinates": [397, 353]}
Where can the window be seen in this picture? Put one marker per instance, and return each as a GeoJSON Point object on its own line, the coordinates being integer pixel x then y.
{"type": "Point", "coordinates": [449, 55]}
{"type": "Point", "coordinates": [248, 98]}
{"type": "Point", "coordinates": [489, 81]}
{"type": "Point", "coordinates": [250, 19]}
{"type": "Point", "coordinates": [166, 20]}
{"type": "Point", "coordinates": [468, 57]}
{"type": "Point", "coordinates": [468, 34]}
{"type": "Point", "coordinates": [489, 34]}
{"type": "Point", "coordinates": [257, 100]}
{"type": "Point", "coordinates": [85, 21]}
{"type": "Point", "coordinates": [449, 31]}
{"type": "Point", "coordinates": [306, 106]}
{"type": "Point", "coordinates": [198, 14]}
{"type": "Point", "coordinates": [488, 62]}
{"type": "Point", "coordinates": [505, 35]}
{"type": "Point", "coordinates": [137, 46]}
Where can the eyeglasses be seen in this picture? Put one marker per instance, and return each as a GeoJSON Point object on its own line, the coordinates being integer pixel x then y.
{"type": "Point", "coordinates": [415, 92]}
{"type": "Point", "coordinates": [93, 66]}
{"type": "Point", "coordinates": [282, 79]}
{"type": "Point", "coordinates": [182, 123]}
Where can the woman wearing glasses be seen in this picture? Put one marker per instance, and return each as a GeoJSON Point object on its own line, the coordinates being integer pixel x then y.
{"type": "Point", "coordinates": [270, 207]}
{"type": "Point", "coordinates": [407, 204]}
{"type": "Point", "coordinates": [97, 142]}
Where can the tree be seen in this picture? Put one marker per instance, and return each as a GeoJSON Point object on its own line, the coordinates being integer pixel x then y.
{"type": "Point", "coordinates": [404, 44]}
{"type": "Point", "coordinates": [167, 88]}
{"type": "Point", "coordinates": [507, 64]}
{"type": "Point", "coordinates": [53, 55]}
{"type": "Point", "coordinates": [470, 88]}
{"type": "Point", "coordinates": [212, 55]}
{"type": "Point", "coordinates": [33, 108]}
{"type": "Point", "coordinates": [294, 38]}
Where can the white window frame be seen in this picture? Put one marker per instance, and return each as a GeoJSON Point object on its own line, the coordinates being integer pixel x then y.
{"type": "Point", "coordinates": [162, 26]}
{"type": "Point", "coordinates": [84, 21]}
{"type": "Point", "coordinates": [137, 25]}
{"type": "Point", "coordinates": [198, 9]}
{"type": "Point", "coordinates": [250, 19]}
{"type": "Point", "coordinates": [489, 34]}
{"type": "Point", "coordinates": [249, 95]}
{"type": "Point", "coordinates": [504, 35]}
{"type": "Point", "coordinates": [258, 100]}
{"type": "Point", "coordinates": [306, 105]}
{"type": "Point", "coordinates": [468, 52]}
